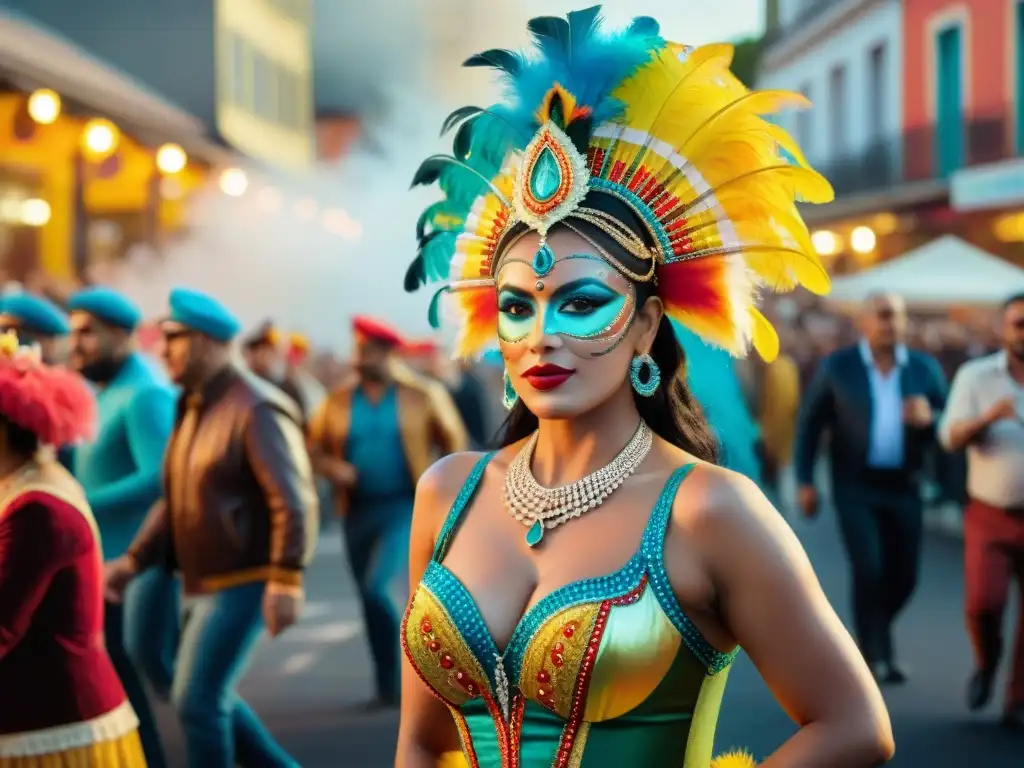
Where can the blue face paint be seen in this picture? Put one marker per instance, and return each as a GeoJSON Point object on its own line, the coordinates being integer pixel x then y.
{"type": "Point", "coordinates": [583, 309]}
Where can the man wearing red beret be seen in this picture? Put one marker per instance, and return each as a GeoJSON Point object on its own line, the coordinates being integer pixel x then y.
{"type": "Point", "coordinates": [371, 439]}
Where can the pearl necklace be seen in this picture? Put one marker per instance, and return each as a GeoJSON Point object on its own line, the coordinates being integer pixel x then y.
{"type": "Point", "coordinates": [541, 508]}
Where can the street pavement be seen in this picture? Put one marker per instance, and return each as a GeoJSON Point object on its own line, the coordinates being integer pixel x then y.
{"type": "Point", "coordinates": [311, 684]}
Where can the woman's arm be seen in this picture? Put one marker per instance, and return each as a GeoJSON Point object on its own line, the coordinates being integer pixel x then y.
{"type": "Point", "coordinates": [427, 730]}
{"type": "Point", "coordinates": [773, 606]}
{"type": "Point", "coordinates": [35, 543]}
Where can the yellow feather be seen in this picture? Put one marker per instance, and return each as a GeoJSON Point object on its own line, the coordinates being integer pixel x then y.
{"type": "Point", "coordinates": [764, 338]}
{"type": "Point", "coordinates": [737, 759]}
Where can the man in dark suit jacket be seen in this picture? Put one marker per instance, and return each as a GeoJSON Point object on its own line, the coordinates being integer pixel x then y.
{"type": "Point", "coordinates": [879, 401]}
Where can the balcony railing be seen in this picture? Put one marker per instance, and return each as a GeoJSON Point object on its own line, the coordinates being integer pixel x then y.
{"type": "Point", "coordinates": [924, 153]}
{"type": "Point", "coordinates": [809, 13]}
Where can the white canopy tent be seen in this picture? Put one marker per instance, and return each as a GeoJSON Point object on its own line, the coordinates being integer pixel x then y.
{"type": "Point", "coordinates": [947, 271]}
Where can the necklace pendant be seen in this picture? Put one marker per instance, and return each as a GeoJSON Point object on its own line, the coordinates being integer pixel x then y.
{"type": "Point", "coordinates": [535, 534]}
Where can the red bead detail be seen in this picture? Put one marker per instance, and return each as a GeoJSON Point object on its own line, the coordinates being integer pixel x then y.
{"type": "Point", "coordinates": [447, 662]}
{"type": "Point", "coordinates": [558, 647]}
{"type": "Point", "coordinates": [667, 205]}
{"type": "Point", "coordinates": [434, 646]}
{"type": "Point", "coordinates": [425, 626]}
{"type": "Point", "coordinates": [569, 630]}
{"type": "Point", "coordinates": [676, 225]}
{"type": "Point", "coordinates": [543, 677]}
{"type": "Point", "coordinates": [639, 178]}
{"type": "Point", "coordinates": [557, 659]}
{"type": "Point", "coordinates": [618, 169]}
{"type": "Point", "coordinates": [650, 190]}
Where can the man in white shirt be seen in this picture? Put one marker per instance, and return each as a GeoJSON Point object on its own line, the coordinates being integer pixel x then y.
{"type": "Point", "coordinates": [876, 399]}
{"type": "Point", "coordinates": [984, 415]}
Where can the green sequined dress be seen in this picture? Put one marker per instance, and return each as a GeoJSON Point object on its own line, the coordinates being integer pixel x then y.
{"type": "Point", "coordinates": [602, 673]}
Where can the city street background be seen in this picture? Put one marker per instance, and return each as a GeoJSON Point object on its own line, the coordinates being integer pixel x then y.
{"type": "Point", "coordinates": [312, 683]}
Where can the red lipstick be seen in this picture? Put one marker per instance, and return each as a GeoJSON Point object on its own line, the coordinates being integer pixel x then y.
{"type": "Point", "coordinates": [547, 376]}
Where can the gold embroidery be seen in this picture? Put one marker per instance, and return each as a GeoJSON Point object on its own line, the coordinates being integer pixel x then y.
{"type": "Point", "coordinates": [576, 758]}
{"type": "Point", "coordinates": [554, 655]}
{"type": "Point", "coordinates": [468, 753]}
{"type": "Point", "coordinates": [438, 653]}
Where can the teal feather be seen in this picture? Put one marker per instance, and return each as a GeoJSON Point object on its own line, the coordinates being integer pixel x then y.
{"type": "Point", "coordinates": [434, 310]}
{"type": "Point", "coordinates": [576, 53]}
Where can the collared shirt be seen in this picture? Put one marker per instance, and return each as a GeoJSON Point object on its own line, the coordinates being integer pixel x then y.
{"type": "Point", "coordinates": [885, 446]}
{"type": "Point", "coordinates": [995, 462]}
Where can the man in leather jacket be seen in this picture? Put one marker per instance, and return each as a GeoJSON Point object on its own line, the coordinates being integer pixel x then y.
{"type": "Point", "coordinates": [238, 519]}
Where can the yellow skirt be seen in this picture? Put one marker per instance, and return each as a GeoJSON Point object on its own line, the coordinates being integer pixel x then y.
{"type": "Point", "coordinates": [125, 752]}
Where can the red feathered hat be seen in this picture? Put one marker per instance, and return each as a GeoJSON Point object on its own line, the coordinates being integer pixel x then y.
{"type": "Point", "coordinates": [53, 403]}
{"type": "Point", "coordinates": [371, 329]}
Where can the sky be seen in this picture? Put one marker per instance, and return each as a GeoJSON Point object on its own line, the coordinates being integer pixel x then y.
{"type": "Point", "coordinates": [684, 21]}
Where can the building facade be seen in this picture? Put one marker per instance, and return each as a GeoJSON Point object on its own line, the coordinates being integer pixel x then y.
{"type": "Point", "coordinates": [91, 161]}
{"type": "Point", "coordinates": [917, 113]}
{"type": "Point", "coordinates": [846, 57]}
{"type": "Point", "coordinates": [242, 67]}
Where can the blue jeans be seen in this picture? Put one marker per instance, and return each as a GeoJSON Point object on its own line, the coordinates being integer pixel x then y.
{"type": "Point", "coordinates": [379, 557]}
{"type": "Point", "coordinates": [217, 643]}
{"type": "Point", "coordinates": [152, 607]}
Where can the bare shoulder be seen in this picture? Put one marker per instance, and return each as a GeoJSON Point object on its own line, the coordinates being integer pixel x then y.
{"type": "Point", "coordinates": [445, 477]}
{"type": "Point", "coordinates": [720, 506]}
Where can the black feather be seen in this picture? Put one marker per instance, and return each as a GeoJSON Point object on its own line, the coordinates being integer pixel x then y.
{"type": "Point", "coordinates": [415, 275]}
{"type": "Point", "coordinates": [556, 110]}
{"type": "Point", "coordinates": [464, 139]}
{"type": "Point", "coordinates": [551, 33]}
{"type": "Point", "coordinates": [579, 132]}
{"type": "Point", "coordinates": [458, 116]}
{"type": "Point", "coordinates": [499, 58]}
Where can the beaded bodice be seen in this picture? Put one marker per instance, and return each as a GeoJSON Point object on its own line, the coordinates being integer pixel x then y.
{"type": "Point", "coordinates": [601, 672]}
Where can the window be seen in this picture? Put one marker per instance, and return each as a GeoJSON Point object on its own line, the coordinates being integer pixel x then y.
{"type": "Point", "coordinates": [878, 91]}
{"type": "Point", "coordinates": [949, 107]}
{"type": "Point", "coordinates": [804, 126]}
{"type": "Point", "coordinates": [837, 110]}
{"type": "Point", "coordinates": [264, 86]}
{"type": "Point", "coordinates": [1020, 77]}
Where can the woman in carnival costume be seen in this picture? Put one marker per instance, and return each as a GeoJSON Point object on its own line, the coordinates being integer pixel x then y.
{"type": "Point", "coordinates": [580, 594]}
{"type": "Point", "coordinates": [61, 703]}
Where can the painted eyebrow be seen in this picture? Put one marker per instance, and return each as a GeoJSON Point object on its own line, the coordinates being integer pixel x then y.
{"type": "Point", "coordinates": [518, 292]}
{"type": "Point", "coordinates": [575, 285]}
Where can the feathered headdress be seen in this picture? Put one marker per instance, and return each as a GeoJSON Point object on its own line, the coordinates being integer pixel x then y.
{"type": "Point", "coordinates": [665, 129]}
{"type": "Point", "coordinates": [53, 403]}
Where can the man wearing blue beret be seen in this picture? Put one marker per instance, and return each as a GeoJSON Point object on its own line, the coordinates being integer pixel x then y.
{"type": "Point", "coordinates": [120, 472]}
{"type": "Point", "coordinates": [38, 321]}
{"type": "Point", "coordinates": [238, 520]}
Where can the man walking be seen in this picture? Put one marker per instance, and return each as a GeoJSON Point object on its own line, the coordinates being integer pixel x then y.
{"type": "Point", "coordinates": [984, 415]}
{"type": "Point", "coordinates": [372, 439]}
{"type": "Point", "coordinates": [877, 399]}
{"type": "Point", "coordinates": [120, 473]}
{"type": "Point", "coordinates": [238, 519]}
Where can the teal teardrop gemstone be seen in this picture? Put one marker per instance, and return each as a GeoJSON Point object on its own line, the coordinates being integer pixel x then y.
{"type": "Point", "coordinates": [546, 176]}
{"type": "Point", "coordinates": [535, 534]}
{"type": "Point", "coordinates": [543, 260]}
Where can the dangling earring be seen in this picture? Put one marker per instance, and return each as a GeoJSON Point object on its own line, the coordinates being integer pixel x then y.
{"type": "Point", "coordinates": [511, 397]}
{"type": "Point", "coordinates": [636, 377]}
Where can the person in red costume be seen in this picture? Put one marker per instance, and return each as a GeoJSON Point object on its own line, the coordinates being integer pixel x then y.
{"type": "Point", "coordinates": [62, 704]}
